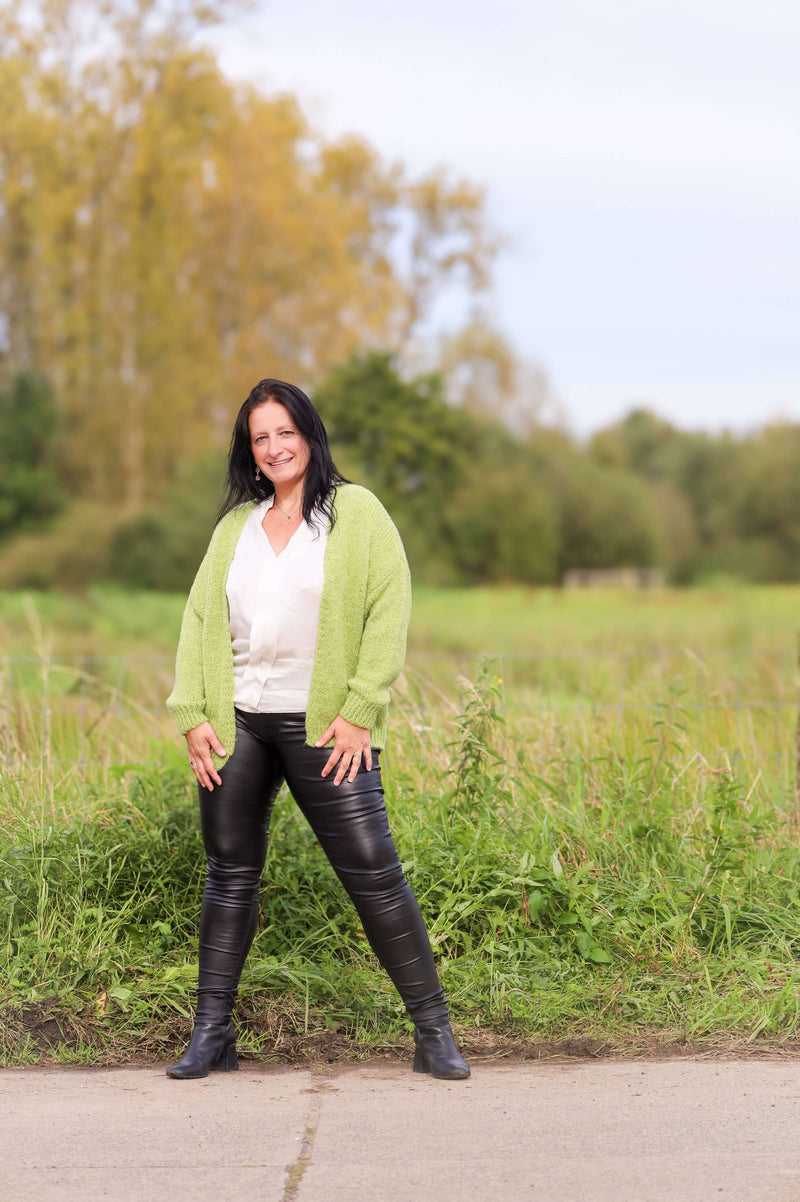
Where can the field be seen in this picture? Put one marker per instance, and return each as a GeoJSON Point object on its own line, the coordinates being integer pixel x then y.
{"type": "Point", "coordinates": [593, 794]}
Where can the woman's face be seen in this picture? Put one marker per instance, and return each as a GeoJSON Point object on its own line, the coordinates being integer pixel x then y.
{"type": "Point", "coordinates": [278, 447]}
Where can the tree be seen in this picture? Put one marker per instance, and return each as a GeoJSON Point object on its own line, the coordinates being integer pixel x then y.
{"type": "Point", "coordinates": [607, 518]}
{"type": "Point", "coordinates": [642, 443]}
{"type": "Point", "coordinates": [484, 375]}
{"type": "Point", "coordinates": [768, 508]}
{"type": "Point", "coordinates": [30, 488]}
{"type": "Point", "coordinates": [408, 441]}
{"type": "Point", "coordinates": [458, 485]}
{"type": "Point", "coordinates": [168, 238]}
{"type": "Point", "coordinates": [503, 526]}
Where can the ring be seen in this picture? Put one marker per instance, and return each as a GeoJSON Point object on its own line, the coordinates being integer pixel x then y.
{"type": "Point", "coordinates": [191, 763]}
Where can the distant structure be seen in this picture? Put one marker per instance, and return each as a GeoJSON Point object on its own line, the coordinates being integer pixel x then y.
{"type": "Point", "coordinates": [613, 578]}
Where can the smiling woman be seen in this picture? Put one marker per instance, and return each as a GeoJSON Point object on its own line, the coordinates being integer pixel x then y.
{"type": "Point", "coordinates": [282, 454]}
{"type": "Point", "coordinates": [277, 447]}
{"type": "Point", "coordinates": [293, 634]}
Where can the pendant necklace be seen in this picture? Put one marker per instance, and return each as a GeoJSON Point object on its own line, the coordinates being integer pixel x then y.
{"type": "Point", "coordinates": [288, 516]}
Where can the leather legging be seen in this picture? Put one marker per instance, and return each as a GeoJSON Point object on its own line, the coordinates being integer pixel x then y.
{"type": "Point", "coordinates": [350, 823]}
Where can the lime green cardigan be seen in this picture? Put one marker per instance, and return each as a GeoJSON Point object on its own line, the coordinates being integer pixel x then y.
{"type": "Point", "coordinates": [363, 622]}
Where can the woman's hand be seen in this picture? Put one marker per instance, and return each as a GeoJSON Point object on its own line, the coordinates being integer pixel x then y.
{"type": "Point", "coordinates": [351, 744]}
{"type": "Point", "coordinates": [200, 741]}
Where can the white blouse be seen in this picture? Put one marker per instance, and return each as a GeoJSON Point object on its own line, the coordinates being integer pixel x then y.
{"type": "Point", "coordinates": [273, 603]}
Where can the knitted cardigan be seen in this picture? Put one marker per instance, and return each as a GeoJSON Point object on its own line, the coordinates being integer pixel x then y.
{"type": "Point", "coordinates": [363, 622]}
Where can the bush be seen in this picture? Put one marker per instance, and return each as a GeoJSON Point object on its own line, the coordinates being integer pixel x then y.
{"type": "Point", "coordinates": [68, 556]}
{"type": "Point", "coordinates": [30, 491]}
{"type": "Point", "coordinates": [162, 546]}
{"type": "Point", "coordinates": [504, 529]}
{"type": "Point", "coordinates": [607, 518]}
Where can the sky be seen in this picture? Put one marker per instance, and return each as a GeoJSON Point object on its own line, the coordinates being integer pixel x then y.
{"type": "Point", "coordinates": [642, 159]}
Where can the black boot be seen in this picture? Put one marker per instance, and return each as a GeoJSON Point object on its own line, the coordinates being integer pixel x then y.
{"type": "Point", "coordinates": [437, 1053]}
{"type": "Point", "coordinates": [226, 933]}
{"type": "Point", "coordinates": [212, 1049]}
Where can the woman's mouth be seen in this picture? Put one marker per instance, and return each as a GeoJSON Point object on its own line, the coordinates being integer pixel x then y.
{"type": "Point", "coordinates": [280, 462]}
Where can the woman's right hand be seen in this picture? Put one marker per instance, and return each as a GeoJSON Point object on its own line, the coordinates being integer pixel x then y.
{"type": "Point", "coordinates": [201, 740]}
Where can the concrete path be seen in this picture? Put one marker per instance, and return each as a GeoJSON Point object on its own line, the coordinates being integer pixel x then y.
{"type": "Point", "coordinates": [680, 1130]}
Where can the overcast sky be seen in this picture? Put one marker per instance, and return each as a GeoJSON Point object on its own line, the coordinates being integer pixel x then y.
{"type": "Point", "coordinates": [643, 157]}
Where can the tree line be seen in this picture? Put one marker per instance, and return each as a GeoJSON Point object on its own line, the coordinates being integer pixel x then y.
{"type": "Point", "coordinates": [476, 501]}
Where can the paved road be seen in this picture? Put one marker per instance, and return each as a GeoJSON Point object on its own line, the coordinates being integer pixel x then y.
{"type": "Point", "coordinates": [644, 1131]}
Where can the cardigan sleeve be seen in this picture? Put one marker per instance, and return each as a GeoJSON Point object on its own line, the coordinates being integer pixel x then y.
{"type": "Point", "coordinates": [187, 701]}
{"type": "Point", "coordinates": [383, 642]}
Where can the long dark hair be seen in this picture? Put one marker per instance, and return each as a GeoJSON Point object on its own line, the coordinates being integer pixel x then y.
{"type": "Point", "coordinates": [322, 474]}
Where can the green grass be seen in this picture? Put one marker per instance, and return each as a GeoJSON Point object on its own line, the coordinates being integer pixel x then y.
{"type": "Point", "coordinates": [601, 830]}
{"type": "Point", "coordinates": [509, 621]}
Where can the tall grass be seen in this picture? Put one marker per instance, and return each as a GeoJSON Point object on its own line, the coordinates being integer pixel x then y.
{"type": "Point", "coordinates": [604, 845]}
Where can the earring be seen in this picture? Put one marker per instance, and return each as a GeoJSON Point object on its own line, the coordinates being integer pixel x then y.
{"type": "Point", "coordinates": [258, 473]}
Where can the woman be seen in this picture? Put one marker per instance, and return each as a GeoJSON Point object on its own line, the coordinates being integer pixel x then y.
{"type": "Point", "coordinates": [293, 633]}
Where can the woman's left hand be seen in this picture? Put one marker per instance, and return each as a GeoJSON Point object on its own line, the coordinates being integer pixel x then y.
{"type": "Point", "coordinates": [351, 745]}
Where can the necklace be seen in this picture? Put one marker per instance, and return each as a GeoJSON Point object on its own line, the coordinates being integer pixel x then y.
{"type": "Point", "coordinates": [288, 516]}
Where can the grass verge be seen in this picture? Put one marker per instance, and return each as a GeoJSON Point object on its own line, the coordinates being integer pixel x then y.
{"type": "Point", "coordinates": [613, 902]}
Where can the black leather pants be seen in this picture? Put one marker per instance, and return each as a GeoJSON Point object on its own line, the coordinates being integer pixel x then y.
{"type": "Point", "coordinates": [351, 824]}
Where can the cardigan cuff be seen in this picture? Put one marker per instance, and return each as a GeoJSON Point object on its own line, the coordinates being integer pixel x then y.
{"type": "Point", "coordinates": [361, 712]}
{"type": "Point", "coordinates": [187, 717]}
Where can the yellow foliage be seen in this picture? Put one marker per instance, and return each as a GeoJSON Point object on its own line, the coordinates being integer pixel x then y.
{"type": "Point", "coordinates": [168, 238]}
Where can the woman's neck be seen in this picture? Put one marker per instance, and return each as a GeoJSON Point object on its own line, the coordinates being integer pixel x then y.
{"type": "Point", "coordinates": [289, 499]}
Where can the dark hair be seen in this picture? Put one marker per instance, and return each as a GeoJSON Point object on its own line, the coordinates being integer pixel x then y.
{"type": "Point", "coordinates": [322, 475]}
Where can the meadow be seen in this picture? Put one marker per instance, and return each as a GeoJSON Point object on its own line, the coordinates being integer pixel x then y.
{"type": "Point", "coordinates": [593, 793]}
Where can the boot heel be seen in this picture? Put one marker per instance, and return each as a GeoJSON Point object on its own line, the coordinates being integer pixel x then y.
{"type": "Point", "coordinates": [420, 1063]}
{"type": "Point", "coordinates": [228, 1061]}
{"type": "Point", "coordinates": [437, 1053]}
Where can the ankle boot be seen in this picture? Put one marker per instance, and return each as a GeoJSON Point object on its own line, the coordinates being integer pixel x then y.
{"type": "Point", "coordinates": [212, 1049]}
{"type": "Point", "coordinates": [226, 932]}
{"type": "Point", "coordinates": [437, 1053]}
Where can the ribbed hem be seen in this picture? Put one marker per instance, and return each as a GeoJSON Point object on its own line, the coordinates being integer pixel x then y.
{"type": "Point", "coordinates": [361, 712]}
{"type": "Point", "coordinates": [187, 717]}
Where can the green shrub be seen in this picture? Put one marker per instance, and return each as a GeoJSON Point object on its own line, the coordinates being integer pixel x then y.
{"type": "Point", "coordinates": [74, 551]}
{"type": "Point", "coordinates": [162, 546]}
{"type": "Point", "coordinates": [31, 491]}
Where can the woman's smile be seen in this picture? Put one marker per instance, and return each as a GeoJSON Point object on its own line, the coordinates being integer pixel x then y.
{"type": "Point", "coordinates": [278, 447]}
